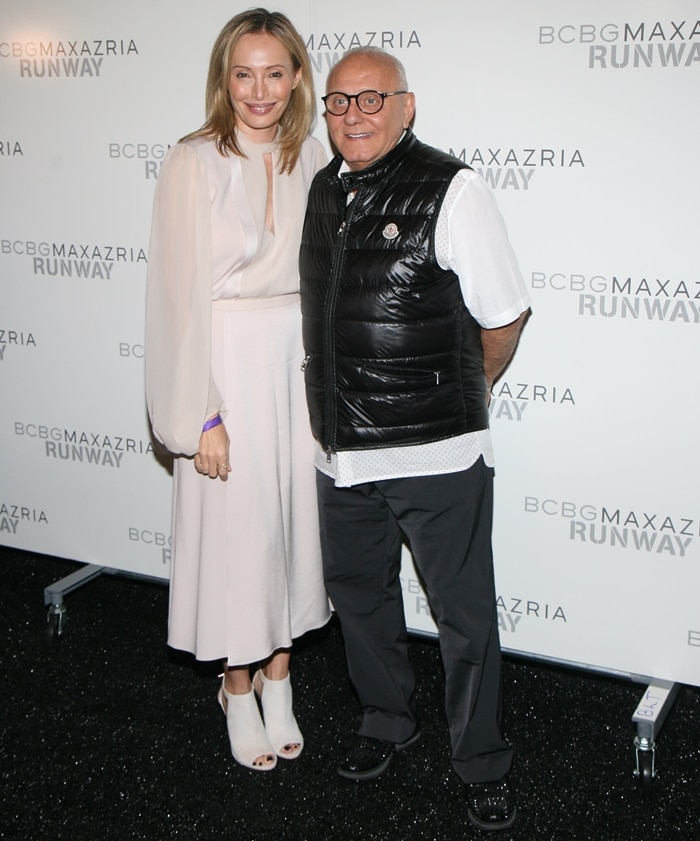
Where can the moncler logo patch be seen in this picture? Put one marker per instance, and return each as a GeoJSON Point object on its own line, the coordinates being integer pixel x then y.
{"type": "Point", "coordinates": [391, 231]}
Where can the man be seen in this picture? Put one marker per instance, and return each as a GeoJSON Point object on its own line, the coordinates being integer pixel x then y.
{"type": "Point", "coordinates": [412, 304]}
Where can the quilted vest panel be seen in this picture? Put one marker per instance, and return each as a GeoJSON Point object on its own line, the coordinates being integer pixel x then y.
{"type": "Point", "coordinates": [393, 356]}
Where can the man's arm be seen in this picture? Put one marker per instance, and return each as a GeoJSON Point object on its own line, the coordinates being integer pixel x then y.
{"type": "Point", "coordinates": [499, 345]}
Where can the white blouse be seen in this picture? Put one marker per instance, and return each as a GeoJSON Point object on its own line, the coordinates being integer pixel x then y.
{"type": "Point", "coordinates": [209, 242]}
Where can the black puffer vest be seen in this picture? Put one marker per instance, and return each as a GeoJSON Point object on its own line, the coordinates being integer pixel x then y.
{"type": "Point", "coordinates": [393, 356]}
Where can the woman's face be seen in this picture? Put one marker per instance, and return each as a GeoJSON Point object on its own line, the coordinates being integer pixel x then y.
{"type": "Point", "coordinates": [260, 85]}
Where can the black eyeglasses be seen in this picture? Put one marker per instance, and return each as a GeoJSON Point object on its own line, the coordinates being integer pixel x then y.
{"type": "Point", "coordinates": [369, 102]}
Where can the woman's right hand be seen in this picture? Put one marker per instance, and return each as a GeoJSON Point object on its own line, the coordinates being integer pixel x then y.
{"type": "Point", "coordinates": [212, 458]}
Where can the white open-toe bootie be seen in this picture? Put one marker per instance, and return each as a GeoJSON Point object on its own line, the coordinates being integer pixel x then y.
{"type": "Point", "coordinates": [246, 732]}
{"type": "Point", "coordinates": [280, 724]}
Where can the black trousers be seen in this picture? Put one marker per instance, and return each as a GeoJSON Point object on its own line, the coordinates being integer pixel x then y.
{"type": "Point", "coordinates": [446, 520]}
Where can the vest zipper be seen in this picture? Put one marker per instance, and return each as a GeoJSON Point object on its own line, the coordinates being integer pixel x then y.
{"type": "Point", "coordinates": [329, 332]}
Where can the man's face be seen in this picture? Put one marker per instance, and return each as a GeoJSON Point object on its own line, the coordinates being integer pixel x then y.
{"type": "Point", "coordinates": [361, 138]}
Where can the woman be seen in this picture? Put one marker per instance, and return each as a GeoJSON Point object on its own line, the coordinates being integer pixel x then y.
{"type": "Point", "coordinates": [223, 379]}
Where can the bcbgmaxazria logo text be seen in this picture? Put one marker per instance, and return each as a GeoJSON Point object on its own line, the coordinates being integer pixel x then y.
{"type": "Point", "coordinates": [654, 532]}
{"type": "Point", "coordinates": [506, 168]}
{"type": "Point", "coordinates": [87, 447]}
{"type": "Point", "coordinates": [12, 516]}
{"type": "Point", "coordinates": [510, 399]}
{"type": "Point", "coordinates": [327, 48]}
{"type": "Point", "coordinates": [643, 44]}
{"type": "Point", "coordinates": [626, 297]}
{"type": "Point", "coordinates": [15, 339]}
{"type": "Point", "coordinates": [52, 59]}
{"type": "Point", "coordinates": [94, 261]}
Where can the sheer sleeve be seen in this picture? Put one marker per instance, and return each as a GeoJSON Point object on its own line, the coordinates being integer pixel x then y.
{"type": "Point", "coordinates": [180, 393]}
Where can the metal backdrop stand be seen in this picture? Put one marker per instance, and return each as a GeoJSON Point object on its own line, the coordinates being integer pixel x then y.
{"type": "Point", "coordinates": [57, 612]}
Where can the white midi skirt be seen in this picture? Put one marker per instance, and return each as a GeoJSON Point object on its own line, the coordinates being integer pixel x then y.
{"type": "Point", "coordinates": [246, 576]}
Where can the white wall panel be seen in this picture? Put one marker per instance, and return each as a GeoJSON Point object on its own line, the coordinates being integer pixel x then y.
{"type": "Point", "coordinates": [582, 117]}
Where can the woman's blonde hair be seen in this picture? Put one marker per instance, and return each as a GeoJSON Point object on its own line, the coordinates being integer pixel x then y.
{"type": "Point", "coordinates": [299, 115]}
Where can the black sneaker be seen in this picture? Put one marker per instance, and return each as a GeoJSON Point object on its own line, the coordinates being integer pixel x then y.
{"type": "Point", "coordinates": [490, 805]}
{"type": "Point", "coordinates": [368, 758]}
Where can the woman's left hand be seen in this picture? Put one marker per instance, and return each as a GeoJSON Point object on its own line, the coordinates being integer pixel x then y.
{"type": "Point", "coordinates": [212, 458]}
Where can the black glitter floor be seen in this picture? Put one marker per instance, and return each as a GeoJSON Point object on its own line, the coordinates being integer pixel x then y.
{"type": "Point", "coordinates": [108, 735]}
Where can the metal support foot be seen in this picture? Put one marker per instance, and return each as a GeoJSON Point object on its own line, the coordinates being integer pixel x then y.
{"type": "Point", "coordinates": [649, 717]}
{"type": "Point", "coordinates": [57, 613]}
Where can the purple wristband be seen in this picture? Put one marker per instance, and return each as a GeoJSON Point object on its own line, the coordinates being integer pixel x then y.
{"type": "Point", "coordinates": [212, 422]}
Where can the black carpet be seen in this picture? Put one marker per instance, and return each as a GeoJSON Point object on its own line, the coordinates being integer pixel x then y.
{"type": "Point", "coordinates": [107, 734]}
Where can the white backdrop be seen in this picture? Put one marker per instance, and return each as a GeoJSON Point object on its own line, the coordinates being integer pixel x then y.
{"type": "Point", "coordinates": [582, 116]}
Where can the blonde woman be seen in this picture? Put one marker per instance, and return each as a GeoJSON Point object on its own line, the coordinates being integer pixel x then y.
{"type": "Point", "coordinates": [224, 382]}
